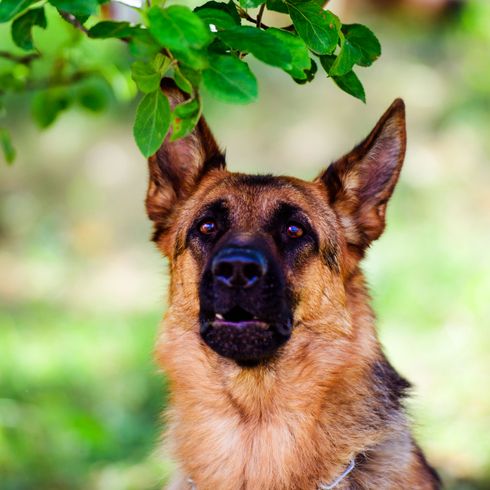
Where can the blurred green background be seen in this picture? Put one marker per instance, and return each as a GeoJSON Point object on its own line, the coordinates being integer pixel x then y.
{"type": "Point", "coordinates": [82, 289]}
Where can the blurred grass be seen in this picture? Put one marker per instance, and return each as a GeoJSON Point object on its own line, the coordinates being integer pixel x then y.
{"type": "Point", "coordinates": [80, 399]}
{"type": "Point", "coordinates": [81, 289]}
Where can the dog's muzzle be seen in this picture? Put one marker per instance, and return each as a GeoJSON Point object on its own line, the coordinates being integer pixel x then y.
{"type": "Point", "coordinates": [245, 313]}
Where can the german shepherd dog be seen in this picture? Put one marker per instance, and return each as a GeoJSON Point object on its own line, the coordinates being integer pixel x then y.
{"type": "Point", "coordinates": [277, 377]}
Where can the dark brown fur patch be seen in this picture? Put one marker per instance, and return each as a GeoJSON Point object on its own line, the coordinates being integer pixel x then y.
{"type": "Point", "coordinates": [391, 387]}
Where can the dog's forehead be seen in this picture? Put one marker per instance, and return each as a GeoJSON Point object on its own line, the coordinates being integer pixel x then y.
{"type": "Point", "coordinates": [257, 196]}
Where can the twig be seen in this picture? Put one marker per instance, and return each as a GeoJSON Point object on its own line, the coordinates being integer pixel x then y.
{"type": "Point", "coordinates": [245, 15]}
{"type": "Point", "coordinates": [25, 60]}
{"type": "Point", "coordinates": [258, 21]}
{"type": "Point", "coordinates": [58, 82]}
{"type": "Point", "coordinates": [71, 19]}
{"type": "Point", "coordinates": [260, 15]}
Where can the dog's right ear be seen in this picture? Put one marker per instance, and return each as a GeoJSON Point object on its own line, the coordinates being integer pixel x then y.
{"type": "Point", "coordinates": [178, 166]}
{"type": "Point", "coordinates": [360, 183]}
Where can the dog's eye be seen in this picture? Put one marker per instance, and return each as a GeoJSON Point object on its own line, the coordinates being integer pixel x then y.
{"type": "Point", "coordinates": [208, 227]}
{"type": "Point", "coordinates": [294, 230]}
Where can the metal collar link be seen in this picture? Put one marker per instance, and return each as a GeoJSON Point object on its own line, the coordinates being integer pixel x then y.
{"type": "Point", "coordinates": [340, 478]}
{"type": "Point", "coordinates": [321, 486]}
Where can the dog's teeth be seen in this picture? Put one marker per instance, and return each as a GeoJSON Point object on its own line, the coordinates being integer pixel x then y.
{"type": "Point", "coordinates": [219, 317]}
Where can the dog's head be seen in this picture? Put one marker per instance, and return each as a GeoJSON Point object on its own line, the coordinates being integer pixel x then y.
{"type": "Point", "coordinates": [255, 259]}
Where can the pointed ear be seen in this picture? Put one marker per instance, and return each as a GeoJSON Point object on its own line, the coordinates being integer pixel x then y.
{"type": "Point", "coordinates": [178, 166]}
{"type": "Point", "coordinates": [360, 184]}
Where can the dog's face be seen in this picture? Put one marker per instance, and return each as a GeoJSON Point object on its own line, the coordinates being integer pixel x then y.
{"type": "Point", "coordinates": [255, 259]}
{"type": "Point", "coordinates": [252, 239]}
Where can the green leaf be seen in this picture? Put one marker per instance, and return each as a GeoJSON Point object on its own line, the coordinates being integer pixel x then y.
{"type": "Point", "coordinates": [349, 82]}
{"type": "Point", "coordinates": [94, 95]}
{"type": "Point", "coordinates": [192, 58]}
{"type": "Point", "coordinates": [327, 62]}
{"type": "Point", "coordinates": [250, 4]}
{"type": "Point", "coordinates": [317, 27]}
{"type": "Point", "coordinates": [277, 6]}
{"type": "Point", "coordinates": [146, 77]}
{"type": "Point", "coordinates": [229, 8]}
{"type": "Point", "coordinates": [301, 61]}
{"type": "Point", "coordinates": [365, 41]}
{"type": "Point", "coordinates": [82, 18]}
{"type": "Point", "coordinates": [349, 55]}
{"type": "Point", "coordinates": [216, 17]}
{"type": "Point", "coordinates": [76, 7]}
{"type": "Point", "coordinates": [184, 118]}
{"type": "Point", "coordinates": [230, 80]}
{"type": "Point", "coordinates": [161, 63]}
{"type": "Point", "coordinates": [310, 74]}
{"type": "Point", "coordinates": [22, 27]}
{"type": "Point", "coordinates": [187, 109]}
{"type": "Point", "coordinates": [7, 147]}
{"type": "Point", "coordinates": [191, 75]}
{"type": "Point", "coordinates": [264, 46]}
{"type": "Point", "coordinates": [10, 8]}
{"type": "Point", "coordinates": [46, 106]}
{"type": "Point", "coordinates": [182, 82]}
{"type": "Point", "coordinates": [152, 122]}
{"type": "Point", "coordinates": [178, 28]}
{"type": "Point", "coordinates": [110, 28]}
{"type": "Point", "coordinates": [218, 47]}
{"type": "Point", "coordinates": [9, 82]}
{"type": "Point", "coordinates": [142, 44]}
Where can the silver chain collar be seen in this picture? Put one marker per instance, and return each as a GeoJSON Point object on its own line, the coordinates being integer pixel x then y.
{"type": "Point", "coordinates": [321, 486]}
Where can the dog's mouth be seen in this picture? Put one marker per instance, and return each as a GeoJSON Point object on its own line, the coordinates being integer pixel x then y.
{"type": "Point", "coordinates": [243, 336]}
{"type": "Point", "coordinates": [238, 317]}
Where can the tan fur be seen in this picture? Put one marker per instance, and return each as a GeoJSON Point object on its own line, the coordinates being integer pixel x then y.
{"type": "Point", "coordinates": [298, 419]}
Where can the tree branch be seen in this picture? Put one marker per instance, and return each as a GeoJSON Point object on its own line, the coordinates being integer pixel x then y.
{"type": "Point", "coordinates": [25, 60]}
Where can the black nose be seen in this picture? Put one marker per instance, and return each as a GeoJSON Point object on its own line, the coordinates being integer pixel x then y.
{"type": "Point", "coordinates": [238, 267]}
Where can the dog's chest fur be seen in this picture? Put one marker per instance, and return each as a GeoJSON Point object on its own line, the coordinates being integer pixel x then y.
{"type": "Point", "coordinates": [283, 428]}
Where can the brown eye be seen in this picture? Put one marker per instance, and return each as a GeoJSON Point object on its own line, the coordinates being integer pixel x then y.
{"type": "Point", "coordinates": [295, 231]}
{"type": "Point", "coordinates": [207, 227]}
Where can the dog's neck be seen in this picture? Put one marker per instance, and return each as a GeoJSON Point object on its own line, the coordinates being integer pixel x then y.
{"type": "Point", "coordinates": [291, 423]}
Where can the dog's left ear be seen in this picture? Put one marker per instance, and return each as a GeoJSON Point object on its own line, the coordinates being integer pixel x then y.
{"type": "Point", "coordinates": [176, 169]}
{"type": "Point", "coordinates": [360, 183]}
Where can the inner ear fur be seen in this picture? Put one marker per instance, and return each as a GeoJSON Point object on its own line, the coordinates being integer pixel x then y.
{"type": "Point", "coordinates": [177, 167]}
{"type": "Point", "coordinates": [360, 183]}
